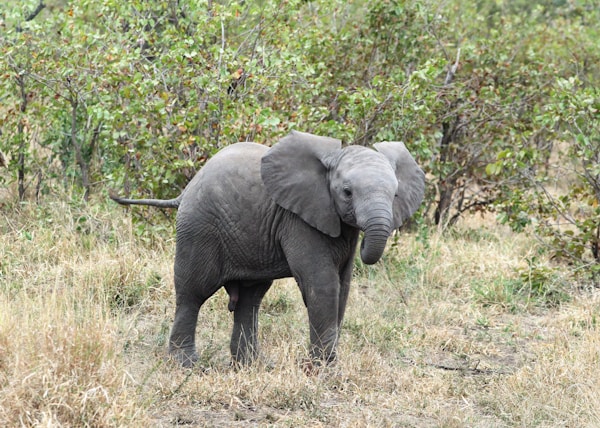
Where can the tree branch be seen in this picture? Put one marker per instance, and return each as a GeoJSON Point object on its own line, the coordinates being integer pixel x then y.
{"type": "Point", "coordinates": [452, 69]}
{"type": "Point", "coordinates": [32, 15]}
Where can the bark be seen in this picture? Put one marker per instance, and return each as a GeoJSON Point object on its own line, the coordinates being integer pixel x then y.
{"type": "Point", "coordinates": [83, 165]}
{"type": "Point", "coordinates": [21, 134]}
{"type": "Point", "coordinates": [447, 184]}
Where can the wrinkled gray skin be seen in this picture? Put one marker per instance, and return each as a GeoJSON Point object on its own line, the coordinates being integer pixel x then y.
{"type": "Point", "coordinates": [254, 214]}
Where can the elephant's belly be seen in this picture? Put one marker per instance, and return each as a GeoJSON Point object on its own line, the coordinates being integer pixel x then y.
{"type": "Point", "coordinates": [254, 262]}
{"type": "Point", "coordinates": [239, 237]}
{"type": "Point", "coordinates": [249, 242]}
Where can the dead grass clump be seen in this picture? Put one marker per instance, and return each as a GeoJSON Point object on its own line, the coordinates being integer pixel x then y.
{"type": "Point", "coordinates": [60, 345]}
{"type": "Point", "coordinates": [559, 388]}
{"type": "Point", "coordinates": [60, 365]}
{"type": "Point", "coordinates": [451, 329]}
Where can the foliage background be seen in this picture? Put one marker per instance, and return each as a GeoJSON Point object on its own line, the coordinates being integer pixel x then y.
{"type": "Point", "coordinates": [498, 100]}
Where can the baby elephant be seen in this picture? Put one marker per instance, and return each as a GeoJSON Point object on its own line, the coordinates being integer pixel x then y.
{"type": "Point", "coordinates": [254, 214]}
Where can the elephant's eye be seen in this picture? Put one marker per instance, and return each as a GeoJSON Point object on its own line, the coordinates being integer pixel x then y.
{"type": "Point", "coordinates": [347, 192]}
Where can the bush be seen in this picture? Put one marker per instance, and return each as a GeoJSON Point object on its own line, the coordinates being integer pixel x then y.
{"type": "Point", "coordinates": [138, 95]}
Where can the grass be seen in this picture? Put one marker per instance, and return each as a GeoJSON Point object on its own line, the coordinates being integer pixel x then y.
{"type": "Point", "coordinates": [469, 328]}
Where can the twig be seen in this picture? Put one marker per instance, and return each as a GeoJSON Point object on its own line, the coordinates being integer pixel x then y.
{"type": "Point", "coordinates": [464, 370]}
{"type": "Point", "coordinates": [466, 208]}
{"type": "Point", "coordinates": [437, 39]}
{"type": "Point", "coordinates": [364, 138]}
{"type": "Point", "coordinates": [468, 370]}
{"type": "Point", "coordinates": [11, 225]}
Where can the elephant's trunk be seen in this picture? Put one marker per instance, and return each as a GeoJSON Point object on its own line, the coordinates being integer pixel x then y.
{"type": "Point", "coordinates": [377, 230]}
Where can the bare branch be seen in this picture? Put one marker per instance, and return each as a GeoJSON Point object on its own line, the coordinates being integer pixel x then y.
{"type": "Point", "coordinates": [452, 69]}
{"type": "Point", "coordinates": [468, 207]}
{"type": "Point", "coordinates": [32, 15]}
{"type": "Point", "coordinates": [464, 368]}
{"type": "Point", "coordinates": [222, 51]}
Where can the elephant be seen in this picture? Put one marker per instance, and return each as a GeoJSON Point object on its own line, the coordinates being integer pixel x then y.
{"type": "Point", "coordinates": [253, 214]}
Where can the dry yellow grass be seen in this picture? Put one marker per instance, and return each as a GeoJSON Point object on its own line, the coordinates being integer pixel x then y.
{"type": "Point", "coordinates": [445, 332]}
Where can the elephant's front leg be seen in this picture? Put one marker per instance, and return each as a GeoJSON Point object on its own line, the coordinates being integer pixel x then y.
{"type": "Point", "coordinates": [312, 261]}
{"type": "Point", "coordinates": [345, 278]}
{"type": "Point", "coordinates": [322, 298]}
{"type": "Point", "coordinates": [244, 337]}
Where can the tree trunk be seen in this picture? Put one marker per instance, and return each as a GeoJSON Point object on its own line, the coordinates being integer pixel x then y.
{"type": "Point", "coordinates": [447, 188]}
{"type": "Point", "coordinates": [21, 136]}
{"type": "Point", "coordinates": [81, 162]}
{"type": "Point", "coordinates": [447, 184]}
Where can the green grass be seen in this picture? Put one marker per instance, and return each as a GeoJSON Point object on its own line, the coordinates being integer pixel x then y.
{"type": "Point", "coordinates": [469, 328]}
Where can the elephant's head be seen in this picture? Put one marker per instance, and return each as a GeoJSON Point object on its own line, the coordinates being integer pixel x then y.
{"type": "Point", "coordinates": [325, 184]}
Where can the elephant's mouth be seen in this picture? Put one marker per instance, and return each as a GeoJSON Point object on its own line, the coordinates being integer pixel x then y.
{"type": "Point", "coordinates": [350, 220]}
{"type": "Point", "coordinates": [348, 215]}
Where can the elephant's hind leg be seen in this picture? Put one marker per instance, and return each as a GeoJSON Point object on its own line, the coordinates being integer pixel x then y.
{"type": "Point", "coordinates": [244, 340]}
{"type": "Point", "coordinates": [193, 286]}
{"type": "Point", "coordinates": [182, 343]}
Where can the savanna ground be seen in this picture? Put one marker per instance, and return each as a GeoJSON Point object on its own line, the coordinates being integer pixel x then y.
{"type": "Point", "coordinates": [448, 330]}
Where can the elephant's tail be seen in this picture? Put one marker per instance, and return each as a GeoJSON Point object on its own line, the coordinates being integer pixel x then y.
{"type": "Point", "coordinates": [161, 203]}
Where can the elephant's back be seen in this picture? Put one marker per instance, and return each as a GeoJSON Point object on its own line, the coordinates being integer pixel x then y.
{"type": "Point", "coordinates": [228, 156]}
{"type": "Point", "coordinates": [237, 161]}
{"type": "Point", "coordinates": [229, 181]}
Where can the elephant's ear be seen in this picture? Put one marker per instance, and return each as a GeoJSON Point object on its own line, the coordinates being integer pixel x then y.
{"type": "Point", "coordinates": [411, 180]}
{"type": "Point", "coordinates": [294, 172]}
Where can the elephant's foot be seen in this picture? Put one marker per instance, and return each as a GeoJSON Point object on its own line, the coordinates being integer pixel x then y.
{"type": "Point", "coordinates": [243, 347]}
{"type": "Point", "coordinates": [323, 355]}
{"type": "Point", "coordinates": [312, 367]}
{"type": "Point", "coordinates": [242, 359]}
{"type": "Point", "coordinates": [320, 359]}
{"type": "Point", "coordinates": [185, 357]}
{"type": "Point", "coordinates": [257, 360]}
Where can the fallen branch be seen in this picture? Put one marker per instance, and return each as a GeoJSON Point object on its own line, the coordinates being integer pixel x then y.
{"type": "Point", "coordinates": [463, 369]}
